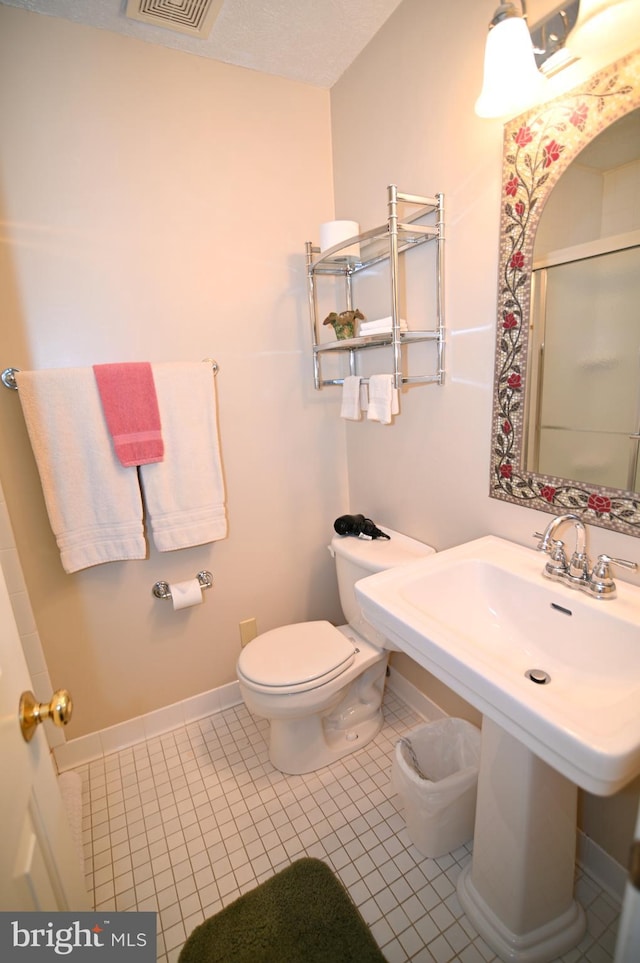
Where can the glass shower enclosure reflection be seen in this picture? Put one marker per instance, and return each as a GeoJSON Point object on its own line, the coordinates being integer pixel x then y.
{"type": "Point", "coordinates": [584, 387]}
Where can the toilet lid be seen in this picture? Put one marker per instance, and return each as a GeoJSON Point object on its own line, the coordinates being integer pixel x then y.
{"type": "Point", "coordinates": [303, 655]}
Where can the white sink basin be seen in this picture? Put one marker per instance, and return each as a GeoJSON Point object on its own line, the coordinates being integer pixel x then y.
{"type": "Point", "coordinates": [481, 615]}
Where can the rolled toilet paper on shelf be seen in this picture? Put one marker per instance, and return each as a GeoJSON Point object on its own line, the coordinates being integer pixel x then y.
{"type": "Point", "coordinates": [334, 232]}
{"type": "Point", "coordinates": [185, 594]}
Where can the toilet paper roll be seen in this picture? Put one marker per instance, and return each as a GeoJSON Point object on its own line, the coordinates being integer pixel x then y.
{"type": "Point", "coordinates": [184, 594]}
{"type": "Point", "coordinates": [333, 232]}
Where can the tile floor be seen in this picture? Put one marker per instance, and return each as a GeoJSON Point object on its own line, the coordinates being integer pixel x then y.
{"type": "Point", "coordinates": [184, 823]}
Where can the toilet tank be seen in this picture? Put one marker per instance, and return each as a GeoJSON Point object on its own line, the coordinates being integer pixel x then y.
{"type": "Point", "coordinates": [356, 558]}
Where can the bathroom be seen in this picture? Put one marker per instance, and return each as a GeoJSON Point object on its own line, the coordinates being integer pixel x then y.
{"type": "Point", "coordinates": [155, 206]}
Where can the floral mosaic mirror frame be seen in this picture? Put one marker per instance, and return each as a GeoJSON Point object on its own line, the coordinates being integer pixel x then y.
{"type": "Point", "coordinates": [538, 147]}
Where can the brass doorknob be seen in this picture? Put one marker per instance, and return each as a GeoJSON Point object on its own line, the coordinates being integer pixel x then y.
{"type": "Point", "coordinates": [32, 713]}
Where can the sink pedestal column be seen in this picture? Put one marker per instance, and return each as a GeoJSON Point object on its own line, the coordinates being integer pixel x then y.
{"type": "Point", "coordinates": [518, 889]}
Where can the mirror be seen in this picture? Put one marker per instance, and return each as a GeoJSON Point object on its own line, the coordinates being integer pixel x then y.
{"type": "Point", "coordinates": [553, 442]}
{"type": "Point", "coordinates": [582, 416]}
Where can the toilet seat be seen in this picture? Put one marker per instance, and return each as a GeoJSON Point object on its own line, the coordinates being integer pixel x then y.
{"type": "Point", "coordinates": [295, 658]}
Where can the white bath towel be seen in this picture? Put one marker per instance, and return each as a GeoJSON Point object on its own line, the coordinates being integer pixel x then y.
{"type": "Point", "coordinates": [383, 399]}
{"type": "Point", "coordinates": [351, 406]}
{"type": "Point", "coordinates": [184, 494]}
{"type": "Point", "coordinates": [93, 502]}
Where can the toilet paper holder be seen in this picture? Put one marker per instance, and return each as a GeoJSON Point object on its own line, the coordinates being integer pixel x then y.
{"type": "Point", "coordinates": [161, 590]}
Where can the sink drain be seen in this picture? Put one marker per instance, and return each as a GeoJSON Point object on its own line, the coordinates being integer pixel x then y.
{"type": "Point", "coordinates": [539, 676]}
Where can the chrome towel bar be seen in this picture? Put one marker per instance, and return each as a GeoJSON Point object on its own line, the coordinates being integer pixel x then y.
{"type": "Point", "coordinates": [161, 590]}
{"type": "Point", "coordinates": [8, 376]}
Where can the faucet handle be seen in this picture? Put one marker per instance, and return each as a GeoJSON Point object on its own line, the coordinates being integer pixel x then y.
{"type": "Point", "coordinates": [601, 583]}
{"type": "Point", "coordinates": [557, 564]}
{"type": "Point", "coordinates": [606, 560]}
{"type": "Point", "coordinates": [624, 563]}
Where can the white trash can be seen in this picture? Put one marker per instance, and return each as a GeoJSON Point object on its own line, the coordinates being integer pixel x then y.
{"type": "Point", "coordinates": [435, 773]}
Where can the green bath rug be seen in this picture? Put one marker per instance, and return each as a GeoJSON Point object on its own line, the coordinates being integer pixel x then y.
{"type": "Point", "coordinates": [303, 914]}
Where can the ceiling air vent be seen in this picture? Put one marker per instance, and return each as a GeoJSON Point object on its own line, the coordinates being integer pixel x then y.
{"type": "Point", "coordinates": [194, 17]}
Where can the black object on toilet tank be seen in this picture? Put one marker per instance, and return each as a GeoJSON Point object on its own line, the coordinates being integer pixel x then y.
{"type": "Point", "coordinates": [359, 526]}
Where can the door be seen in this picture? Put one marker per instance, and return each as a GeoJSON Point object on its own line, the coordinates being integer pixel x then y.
{"type": "Point", "coordinates": [39, 865]}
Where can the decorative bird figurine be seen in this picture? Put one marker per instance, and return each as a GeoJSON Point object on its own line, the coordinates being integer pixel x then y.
{"type": "Point", "coordinates": [344, 324]}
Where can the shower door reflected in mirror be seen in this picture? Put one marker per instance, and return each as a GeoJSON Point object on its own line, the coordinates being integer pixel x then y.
{"type": "Point", "coordinates": [584, 404]}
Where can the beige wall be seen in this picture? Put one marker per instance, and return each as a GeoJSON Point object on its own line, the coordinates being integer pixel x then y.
{"type": "Point", "coordinates": [155, 205]}
{"type": "Point", "coordinates": [404, 114]}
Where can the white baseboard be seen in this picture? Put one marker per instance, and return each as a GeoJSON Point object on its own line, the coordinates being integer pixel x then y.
{"type": "Point", "coordinates": [413, 697]}
{"type": "Point", "coordinates": [603, 868]}
{"type": "Point", "coordinates": [84, 749]}
{"type": "Point", "coordinates": [608, 872]}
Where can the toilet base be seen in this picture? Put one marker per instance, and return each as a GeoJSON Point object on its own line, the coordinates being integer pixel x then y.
{"type": "Point", "coordinates": [304, 745]}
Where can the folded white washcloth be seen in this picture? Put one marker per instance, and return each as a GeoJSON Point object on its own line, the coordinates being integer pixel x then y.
{"type": "Point", "coordinates": [93, 502]}
{"type": "Point", "coordinates": [184, 494]}
{"type": "Point", "coordinates": [383, 399]}
{"type": "Point", "coordinates": [351, 404]}
{"type": "Point", "coordinates": [380, 326]}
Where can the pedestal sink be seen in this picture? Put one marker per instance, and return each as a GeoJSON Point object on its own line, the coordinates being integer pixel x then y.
{"type": "Point", "coordinates": [556, 675]}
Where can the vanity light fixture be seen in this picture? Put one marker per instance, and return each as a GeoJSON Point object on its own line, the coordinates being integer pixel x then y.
{"type": "Point", "coordinates": [550, 37]}
{"type": "Point", "coordinates": [518, 60]}
{"type": "Point", "coordinates": [610, 24]}
{"type": "Point", "coordinates": [512, 80]}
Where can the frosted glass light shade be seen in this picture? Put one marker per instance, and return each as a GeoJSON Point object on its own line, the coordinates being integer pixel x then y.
{"type": "Point", "coordinates": [611, 25]}
{"type": "Point", "coordinates": [512, 81]}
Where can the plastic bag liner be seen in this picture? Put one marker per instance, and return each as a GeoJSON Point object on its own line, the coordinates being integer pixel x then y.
{"type": "Point", "coordinates": [435, 773]}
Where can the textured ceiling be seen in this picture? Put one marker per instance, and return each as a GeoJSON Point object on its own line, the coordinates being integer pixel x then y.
{"type": "Point", "coordinates": [313, 41]}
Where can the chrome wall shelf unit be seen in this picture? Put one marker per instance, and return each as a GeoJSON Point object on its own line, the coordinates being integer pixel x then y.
{"type": "Point", "coordinates": [386, 243]}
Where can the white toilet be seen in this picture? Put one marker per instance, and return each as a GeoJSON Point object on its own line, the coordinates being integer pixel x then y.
{"type": "Point", "coordinates": [320, 686]}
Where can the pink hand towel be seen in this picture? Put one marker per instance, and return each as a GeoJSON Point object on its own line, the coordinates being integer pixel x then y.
{"type": "Point", "coordinates": [130, 406]}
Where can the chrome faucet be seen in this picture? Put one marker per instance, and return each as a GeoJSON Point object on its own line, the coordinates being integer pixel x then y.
{"type": "Point", "coordinates": [577, 572]}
